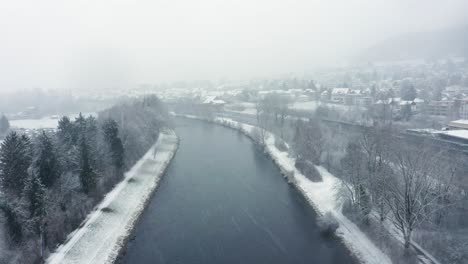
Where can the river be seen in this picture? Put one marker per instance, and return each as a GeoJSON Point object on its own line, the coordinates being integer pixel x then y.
{"type": "Point", "coordinates": [222, 200]}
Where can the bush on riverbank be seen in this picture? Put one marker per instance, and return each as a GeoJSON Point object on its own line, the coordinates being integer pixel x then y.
{"type": "Point", "coordinates": [327, 224]}
{"type": "Point", "coordinates": [308, 169]}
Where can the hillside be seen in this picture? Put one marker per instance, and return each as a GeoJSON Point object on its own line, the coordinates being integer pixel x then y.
{"type": "Point", "coordinates": [420, 45]}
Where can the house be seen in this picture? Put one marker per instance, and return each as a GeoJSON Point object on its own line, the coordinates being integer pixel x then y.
{"type": "Point", "coordinates": [462, 105]}
{"type": "Point", "coordinates": [338, 95]}
{"type": "Point", "coordinates": [419, 104]}
{"type": "Point", "coordinates": [302, 98]}
{"type": "Point", "coordinates": [439, 108]}
{"type": "Point", "coordinates": [404, 103]}
{"type": "Point", "coordinates": [364, 101]}
{"type": "Point", "coordinates": [213, 102]}
{"type": "Point", "coordinates": [324, 96]}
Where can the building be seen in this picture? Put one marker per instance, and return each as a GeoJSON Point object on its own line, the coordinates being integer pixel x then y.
{"type": "Point", "coordinates": [459, 124]}
{"type": "Point", "coordinates": [212, 102]}
{"type": "Point", "coordinates": [460, 136]}
{"type": "Point", "coordinates": [364, 101]}
{"type": "Point", "coordinates": [419, 104]}
{"type": "Point", "coordinates": [439, 108]}
{"type": "Point", "coordinates": [324, 96]}
{"type": "Point", "coordinates": [462, 108]}
{"type": "Point", "coordinates": [338, 95]}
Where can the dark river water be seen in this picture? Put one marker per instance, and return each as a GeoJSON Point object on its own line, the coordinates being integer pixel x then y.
{"type": "Point", "coordinates": [223, 201]}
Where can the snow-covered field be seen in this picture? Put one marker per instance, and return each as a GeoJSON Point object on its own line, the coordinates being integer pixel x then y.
{"type": "Point", "coordinates": [50, 122]}
{"type": "Point", "coordinates": [312, 105]}
{"type": "Point", "coordinates": [46, 122]}
{"type": "Point", "coordinates": [104, 232]}
{"type": "Point", "coordinates": [307, 106]}
{"type": "Point", "coordinates": [321, 195]}
{"type": "Point", "coordinates": [242, 108]}
{"type": "Point", "coordinates": [249, 108]}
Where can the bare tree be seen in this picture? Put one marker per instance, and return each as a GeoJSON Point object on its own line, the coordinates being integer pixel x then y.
{"type": "Point", "coordinates": [283, 108]}
{"type": "Point", "coordinates": [375, 144]}
{"type": "Point", "coordinates": [353, 177]}
{"type": "Point", "coordinates": [262, 122]}
{"type": "Point", "coordinates": [413, 194]}
{"type": "Point", "coordinates": [309, 142]}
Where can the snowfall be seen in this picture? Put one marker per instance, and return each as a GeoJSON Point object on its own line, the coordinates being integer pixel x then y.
{"type": "Point", "coordinates": [104, 232]}
{"type": "Point", "coordinates": [321, 196]}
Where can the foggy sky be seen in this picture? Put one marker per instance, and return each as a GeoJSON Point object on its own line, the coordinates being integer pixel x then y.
{"type": "Point", "coordinates": [113, 43]}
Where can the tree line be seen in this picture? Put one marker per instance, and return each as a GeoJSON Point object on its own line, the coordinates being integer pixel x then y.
{"type": "Point", "coordinates": [385, 178]}
{"type": "Point", "coordinates": [49, 183]}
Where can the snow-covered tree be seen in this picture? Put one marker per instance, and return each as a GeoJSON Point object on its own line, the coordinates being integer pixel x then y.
{"type": "Point", "coordinates": [309, 140]}
{"type": "Point", "coordinates": [34, 198]}
{"type": "Point", "coordinates": [114, 148]}
{"type": "Point", "coordinates": [4, 125]}
{"type": "Point", "coordinates": [87, 173]}
{"type": "Point", "coordinates": [15, 159]}
{"type": "Point", "coordinates": [414, 193]}
{"type": "Point", "coordinates": [407, 91]}
{"type": "Point", "coordinates": [375, 143]}
{"type": "Point", "coordinates": [65, 131]}
{"type": "Point", "coordinates": [45, 164]}
{"type": "Point", "coordinates": [12, 221]}
{"type": "Point", "coordinates": [353, 178]}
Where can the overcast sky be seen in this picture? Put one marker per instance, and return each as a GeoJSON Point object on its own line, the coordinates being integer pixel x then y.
{"type": "Point", "coordinates": [114, 43]}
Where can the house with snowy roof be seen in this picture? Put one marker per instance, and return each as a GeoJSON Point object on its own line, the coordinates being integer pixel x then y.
{"type": "Point", "coordinates": [213, 102]}
{"type": "Point", "coordinates": [338, 95]}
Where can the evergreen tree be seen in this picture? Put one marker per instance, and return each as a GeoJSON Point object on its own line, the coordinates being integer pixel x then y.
{"type": "Point", "coordinates": [65, 131]}
{"type": "Point", "coordinates": [12, 221]}
{"type": "Point", "coordinates": [15, 159]}
{"type": "Point", "coordinates": [114, 144]}
{"type": "Point", "coordinates": [79, 129]}
{"type": "Point", "coordinates": [91, 135]}
{"type": "Point", "coordinates": [408, 92]}
{"type": "Point", "coordinates": [34, 198]}
{"type": "Point", "coordinates": [45, 163]}
{"type": "Point", "coordinates": [87, 175]}
{"type": "Point", "coordinates": [4, 124]}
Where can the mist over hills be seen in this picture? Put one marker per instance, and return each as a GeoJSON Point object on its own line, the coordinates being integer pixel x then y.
{"type": "Point", "coordinates": [418, 45]}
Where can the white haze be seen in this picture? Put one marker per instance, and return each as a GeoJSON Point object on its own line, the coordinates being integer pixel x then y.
{"type": "Point", "coordinates": [57, 44]}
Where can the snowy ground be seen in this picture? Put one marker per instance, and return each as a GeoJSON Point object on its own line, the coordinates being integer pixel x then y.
{"type": "Point", "coordinates": [322, 196]}
{"type": "Point", "coordinates": [42, 123]}
{"type": "Point", "coordinates": [247, 108]}
{"type": "Point", "coordinates": [312, 105]}
{"type": "Point", "coordinates": [104, 232]}
{"type": "Point", "coordinates": [307, 106]}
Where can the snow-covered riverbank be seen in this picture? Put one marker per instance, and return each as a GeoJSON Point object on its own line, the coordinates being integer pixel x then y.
{"type": "Point", "coordinates": [105, 231]}
{"type": "Point", "coordinates": [321, 195]}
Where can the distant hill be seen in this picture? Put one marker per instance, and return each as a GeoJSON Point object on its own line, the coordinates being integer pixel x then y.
{"type": "Point", "coordinates": [421, 45]}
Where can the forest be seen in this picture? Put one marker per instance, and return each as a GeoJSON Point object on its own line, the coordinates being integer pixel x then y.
{"type": "Point", "coordinates": [52, 181]}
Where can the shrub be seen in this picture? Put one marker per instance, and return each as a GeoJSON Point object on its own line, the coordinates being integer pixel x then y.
{"type": "Point", "coordinates": [327, 224]}
{"type": "Point", "coordinates": [308, 169]}
{"type": "Point", "coordinates": [290, 176]}
{"type": "Point", "coordinates": [256, 135]}
{"type": "Point", "coordinates": [280, 144]}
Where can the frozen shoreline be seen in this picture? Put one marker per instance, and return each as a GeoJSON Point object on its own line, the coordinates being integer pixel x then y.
{"type": "Point", "coordinates": [104, 233]}
{"type": "Point", "coordinates": [321, 195]}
